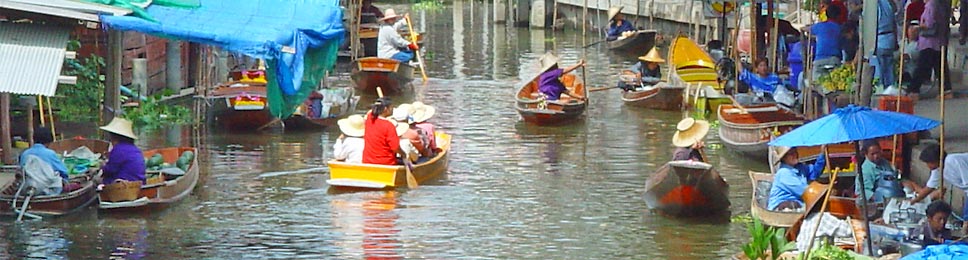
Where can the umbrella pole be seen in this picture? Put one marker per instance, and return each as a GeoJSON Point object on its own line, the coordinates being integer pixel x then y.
{"type": "Point", "coordinates": [900, 77]}
{"type": "Point", "coordinates": [863, 204]}
{"type": "Point", "coordinates": [941, 111]}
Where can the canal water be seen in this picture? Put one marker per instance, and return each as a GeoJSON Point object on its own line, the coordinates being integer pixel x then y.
{"type": "Point", "coordinates": [512, 190]}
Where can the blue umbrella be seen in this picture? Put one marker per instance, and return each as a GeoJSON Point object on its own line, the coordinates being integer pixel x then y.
{"type": "Point", "coordinates": [853, 123]}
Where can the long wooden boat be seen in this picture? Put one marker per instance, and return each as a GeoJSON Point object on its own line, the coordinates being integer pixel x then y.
{"type": "Point", "coordinates": [661, 96]}
{"type": "Point", "coordinates": [762, 182]}
{"type": "Point", "coordinates": [240, 106]}
{"type": "Point", "coordinates": [749, 129]}
{"type": "Point", "coordinates": [536, 110]}
{"type": "Point", "coordinates": [641, 42]}
{"type": "Point", "coordinates": [388, 74]}
{"type": "Point", "coordinates": [319, 112]}
{"type": "Point", "coordinates": [60, 204]}
{"type": "Point", "coordinates": [168, 188]}
{"type": "Point", "coordinates": [687, 188]}
{"type": "Point", "coordinates": [372, 176]}
{"type": "Point", "coordinates": [691, 68]}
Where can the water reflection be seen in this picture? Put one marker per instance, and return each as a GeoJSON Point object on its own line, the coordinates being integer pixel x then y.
{"type": "Point", "coordinates": [130, 239]}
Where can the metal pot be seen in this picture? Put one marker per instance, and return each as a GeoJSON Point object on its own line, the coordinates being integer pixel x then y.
{"type": "Point", "coordinates": [908, 248]}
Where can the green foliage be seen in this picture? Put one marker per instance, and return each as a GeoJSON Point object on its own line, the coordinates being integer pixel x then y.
{"type": "Point", "coordinates": [766, 242]}
{"type": "Point", "coordinates": [81, 101]}
{"type": "Point", "coordinates": [152, 114]}
{"type": "Point", "coordinates": [744, 218]}
{"type": "Point", "coordinates": [828, 252]}
{"type": "Point", "coordinates": [429, 5]}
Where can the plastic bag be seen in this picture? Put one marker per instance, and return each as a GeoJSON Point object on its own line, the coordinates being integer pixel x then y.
{"type": "Point", "coordinates": [42, 177]}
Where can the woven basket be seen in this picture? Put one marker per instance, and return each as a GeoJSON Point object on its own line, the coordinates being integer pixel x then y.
{"type": "Point", "coordinates": [121, 191]}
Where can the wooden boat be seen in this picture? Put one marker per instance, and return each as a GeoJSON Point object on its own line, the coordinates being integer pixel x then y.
{"type": "Point", "coordinates": [661, 96]}
{"type": "Point", "coordinates": [318, 112]}
{"type": "Point", "coordinates": [535, 110]}
{"type": "Point", "coordinates": [389, 74]}
{"type": "Point", "coordinates": [60, 204]}
{"type": "Point", "coordinates": [163, 189]}
{"type": "Point", "coordinates": [692, 69]}
{"type": "Point", "coordinates": [641, 42]}
{"type": "Point", "coordinates": [687, 188]}
{"type": "Point", "coordinates": [372, 176]}
{"type": "Point", "coordinates": [748, 129]}
{"type": "Point", "coordinates": [762, 182]}
{"type": "Point", "coordinates": [240, 106]}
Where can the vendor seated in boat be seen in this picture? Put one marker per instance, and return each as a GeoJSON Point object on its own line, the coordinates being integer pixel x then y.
{"type": "Point", "coordinates": [792, 178]}
{"type": "Point", "coordinates": [349, 145]}
{"type": "Point", "coordinates": [760, 79]}
{"type": "Point", "coordinates": [617, 24]}
{"type": "Point", "coordinates": [421, 113]}
{"type": "Point", "coordinates": [390, 45]}
{"type": "Point", "coordinates": [549, 82]}
{"type": "Point", "coordinates": [42, 137]}
{"type": "Point", "coordinates": [880, 178]}
{"type": "Point", "coordinates": [411, 140]}
{"type": "Point", "coordinates": [125, 160]}
{"type": "Point", "coordinates": [381, 142]}
{"type": "Point", "coordinates": [688, 140]}
{"type": "Point", "coordinates": [933, 231]}
{"type": "Point", "coordinates": [647, 71]}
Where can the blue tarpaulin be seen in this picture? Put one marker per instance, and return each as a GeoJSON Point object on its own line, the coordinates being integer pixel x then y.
{"type": "Point", "coordinates": [853, 123]}
{"type": "Point", "coordinates": [279, 31]}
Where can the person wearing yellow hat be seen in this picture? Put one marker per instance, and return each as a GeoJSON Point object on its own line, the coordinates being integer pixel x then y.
{"type": "Point", "coordinates": [647, 72]}
{"type": "Point", "coordinates": [792, 179]}
{"type": "Point", "coordinates": [688, 139]}
{"type": "Point", "coordinates": [349, 145]}
{"type": "Point", "coordinates": [125, 160]}
{"type": "Point", "coordinates": [617, 24]}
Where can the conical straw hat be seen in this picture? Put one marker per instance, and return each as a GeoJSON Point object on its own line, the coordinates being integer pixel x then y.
{"type": "Point", "coordinates": [612, 12]}
{"type": "Point", "coordinates": [121, 127]}
{"type": "Point", "coordinates": [353, 125]}
{"type": "Point", "coordinates": [652, 56]}
{"type": "Point", "coordinates": [689, 131]}
{"type": "Point", "coordinates": [422, 112]}
{"type": "Point", "coordinates": [548, 60]}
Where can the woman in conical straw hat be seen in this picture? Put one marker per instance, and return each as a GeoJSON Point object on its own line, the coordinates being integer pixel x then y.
{"type": "Point", "coordinates": [421, 113]}
{"type": "Point", "coordinates": [647, 70]}
{"type": "Point", "coordinates": [125, 160]}
{"type": "Point", "coordinates": [791, 179]}
{"type": "Point", "coordinates": [349, 145]}
{"type": "Point", "coordinates": [617, 24]}
{"type": "Point", "coordinates": [549, 81]}
{"type": "Point", "coordinates": [688, 139]}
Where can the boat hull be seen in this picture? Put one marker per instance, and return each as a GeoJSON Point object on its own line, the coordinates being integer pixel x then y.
{"type": "Point", "coordinates": [371, 176]}
{"type": "Point", "coordinates": [534, 110]}
{"type": "Point", "coordinates": [388, 74]}
{"type": "Point", "coordinates": [661, 96]}
{"type": "Point", "coordinates": [240, 108]}
{"type": "Point", "coordinates": [165, 192]}
{"type": "Point", "coordinates": [641, 43]}
{"type": "Point", "coordinates": [692, 69]}
{"type": "Point", "coordinates": [61, 204]}
{"type": "Point", "coordinates": [750, 132]}
{"type": "Point", "coordinates": [687, 188]}
{"type": "Point", "coordinates": [762, 182]}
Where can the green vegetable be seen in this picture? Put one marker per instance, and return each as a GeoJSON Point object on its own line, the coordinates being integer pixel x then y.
{"type": "Point", "coordinates": [766, 241]}
{"type": "Point", "coordinates": [165, 165]}
{"type": "Point", "coordinates": [155, 160]}
{"type": "Point", "coordinates": [188, 154]}
{"type": "Point", "coordinates": [182, 163]}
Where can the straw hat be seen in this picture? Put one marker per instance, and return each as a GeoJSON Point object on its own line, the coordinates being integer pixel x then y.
{"type": "Point", "coordinates": [401, 127]}
{"type": "Point", "coordinates": [812, 195]}
{"type": "Point", "coordinates": [548, 60]}
{"type": "Point", "coordinates": [389, 14]}
{"type": "Point", "coordinates": [402, 113]}
{"type": "Point", "coordinates": [121, 127]}
{"type": "Point", "coordinates": [780, 152]}
{"type": "Point", "coordinates": [653, 56]}
{"type": "Point", "coordinates": [352, 125]}
{"type": "Point", "coordinates": [612, 12]}
{"type": "Point", "coordinates": [689, 131]}
{"type": "Point", "coordinates": [422, 112]}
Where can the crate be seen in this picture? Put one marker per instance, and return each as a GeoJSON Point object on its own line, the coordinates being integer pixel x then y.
{"type": "Point", "coordinates": [889, 103]}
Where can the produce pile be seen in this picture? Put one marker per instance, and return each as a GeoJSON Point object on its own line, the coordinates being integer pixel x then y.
{"type": "Point", "coordinates": [840, 79]}
{"type": "Point", "coordinates": [157, 162]}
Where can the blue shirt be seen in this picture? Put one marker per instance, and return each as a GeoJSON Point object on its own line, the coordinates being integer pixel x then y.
{"type": "Point", "coordinates": [828, 40]}
{"type": "Point", "coordinates": [762, 84]}
{"type": "Point", "coordinates": [125, 162]}
{"type": "Point", "coordinates": [872, 173]}
{"type": "Point", "coordinates": [649, 77]}
{"type": "Point", "coordinates": [790, 182]}
{"type": "Point", "coordinates": [48, 156]}
{"type": "Point", "coordinates": [614, 31]}
{"type": "Point", "coordinates": [886, 39]}
{"type": "Point", "coordinates": [549, 85]}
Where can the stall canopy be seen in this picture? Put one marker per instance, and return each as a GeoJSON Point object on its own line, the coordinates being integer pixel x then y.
{"type": "Point", "coordinates": [297, 38]}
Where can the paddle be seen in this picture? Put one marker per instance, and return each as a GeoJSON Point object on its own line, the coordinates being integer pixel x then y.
{"type": "Point", "coordinates": [411, 181]}
{"type": "Point", "coordinates": [591, 44]}
{"type": "Point", "coordinates": [413, 39]}
{"type": "Point", "coordinates": [742, 110]}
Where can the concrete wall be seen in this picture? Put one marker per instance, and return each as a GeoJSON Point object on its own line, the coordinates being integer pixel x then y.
{"type": "Point", "coordinates": [668, 18]}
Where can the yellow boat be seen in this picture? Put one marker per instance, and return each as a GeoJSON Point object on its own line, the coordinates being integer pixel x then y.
{"type": "Point", "coordinates": [692, 69]}
{"type": "Point", "coordinates": [375, 176]}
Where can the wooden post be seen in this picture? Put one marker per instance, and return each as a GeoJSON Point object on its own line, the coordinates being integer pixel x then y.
{"type": "Point", "coordinates": [652, 14]}
{"type": "Point", "coordinates": [584, 20]}
{"type": "Point", "coordinates": [30, 121]}
{"type": "Point", "coordinates": [173, 65]}
{"type": "Point", "coordinates": [112, 91]}
{"type": "Point", "coordinates": [139, 77]}
{"type": "Point", "coordinates": [754, 36]}
{"type": "Point", "coordinates": [7, 146]}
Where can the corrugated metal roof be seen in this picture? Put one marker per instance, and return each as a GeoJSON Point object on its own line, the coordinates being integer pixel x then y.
{"type": "Point", "coordinates": [33, 55]}
{"type": "Point", "coordinates": [64, 8]}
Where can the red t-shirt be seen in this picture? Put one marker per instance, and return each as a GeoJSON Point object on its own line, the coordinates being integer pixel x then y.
{"type": "Point", "coordinates": [842, 18]}
{"type": "Point", "coordinates": [380, 142]}
{"type": "Point", "coordinates": [914, 10]}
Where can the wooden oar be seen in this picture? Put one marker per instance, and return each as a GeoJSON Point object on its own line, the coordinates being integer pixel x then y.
{"type": "Point", "coordinates": [413, 40]}
{"type": "Point", "coordinates": [601, 88]}
{"type": "Point", "coordinates": [591, 44]}
{"type": "Point", "coordinates": [742, 110]}
{"type": "Point", "coordinates": [411, 180]}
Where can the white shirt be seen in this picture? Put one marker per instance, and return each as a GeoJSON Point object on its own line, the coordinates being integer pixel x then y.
{"type": "Point", "coordinates": [389, 40]}
{"type": "Point", "coordinates": [349, 149]}
{"type": "Point", "coordinates": [934, 181]}
{"type": "Point", "coordinates": [956, 170]}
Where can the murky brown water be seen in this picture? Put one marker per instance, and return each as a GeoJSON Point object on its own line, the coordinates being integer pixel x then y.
{"type": "Point", "coordinates": [512, 190]}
